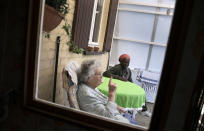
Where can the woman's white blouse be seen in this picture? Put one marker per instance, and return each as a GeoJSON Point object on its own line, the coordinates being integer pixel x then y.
{"type": "Point", "coordinates": [93, 101]}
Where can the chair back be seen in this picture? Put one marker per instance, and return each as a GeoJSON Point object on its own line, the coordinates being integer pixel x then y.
{"type": "Point", "coordinates": [149, 82]}
{"type": "Point", "coordinates": [70, 83]}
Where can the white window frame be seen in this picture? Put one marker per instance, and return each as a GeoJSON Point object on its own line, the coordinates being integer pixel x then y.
{"type": "Point", "coordinates": [91, 43]}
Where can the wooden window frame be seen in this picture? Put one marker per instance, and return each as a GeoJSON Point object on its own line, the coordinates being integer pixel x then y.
{"type": "Point", "coordinates": [167, 86]}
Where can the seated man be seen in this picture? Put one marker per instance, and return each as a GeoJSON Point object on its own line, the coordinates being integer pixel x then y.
{"type": "Point", "coordinates": [123, 72]}
{"type": "Point", "coordinates": [120, 71]}
{"type": "Point", "coordinates": [90, 99]}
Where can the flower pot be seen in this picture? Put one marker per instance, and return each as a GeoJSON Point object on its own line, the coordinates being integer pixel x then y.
{"type": "Point", "coordinates": [52, 18]}
{"type": "Point", "coordinates": [90, 48]}
{"type": "Point", "coordinates": [96, 48]}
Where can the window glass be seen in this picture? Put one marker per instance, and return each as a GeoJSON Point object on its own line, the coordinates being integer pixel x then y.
{"type": "Point", "coordinates": [137, 51]}
{"type": "Point", "coordinates": [157, 58]}
{"type": "Point", "coordinates": [96, 22]}
{"type": "Point", "coordinates": [163, 29]}
{"type": "Point", "coordinates": [139, 27]}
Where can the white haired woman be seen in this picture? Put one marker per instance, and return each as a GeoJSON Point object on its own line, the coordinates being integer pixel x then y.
{"type": "Point", "coordinates": [90, 99]}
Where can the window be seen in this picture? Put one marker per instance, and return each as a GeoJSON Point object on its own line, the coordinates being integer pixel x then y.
{"type": "Point", "coordinates": [95, 23]}
{"type": "Point", "coordinates": [87, 21]}
{"type": "Point", "coordinates": [141, 30]}
{"type": "Point", "coordinates": [166, 108]}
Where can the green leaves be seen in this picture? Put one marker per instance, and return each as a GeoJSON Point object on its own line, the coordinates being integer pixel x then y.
{"type": "Point", "coordinates": [47, 35]}
{"type": "Point", "coordinates": [69, 43]}
{"type": "Point", "coordinates": [63, 7]}
{"type": "Point", "coordinates": [72, 47]}
{"type": "Point", "coordinates": [77, 50]}
{"type": "Point", "coordinates": [67, 28]}
{"type": "Point", "coordinates": [60, 5]}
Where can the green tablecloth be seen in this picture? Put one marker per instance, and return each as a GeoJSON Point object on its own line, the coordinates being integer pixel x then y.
{"type": "Point", "coordinates": [128, 94]}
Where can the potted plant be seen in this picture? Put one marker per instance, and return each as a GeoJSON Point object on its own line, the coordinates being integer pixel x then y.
{"type": "Point", "coordinates": [96, 48]}
{"type": "Point", "coordinates": [90, 48]}
{"type": "Point", "coordinates": [55, 11]}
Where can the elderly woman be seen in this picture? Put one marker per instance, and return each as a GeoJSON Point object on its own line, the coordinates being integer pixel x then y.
{"type": "Point", "coordinates": [90, 99]}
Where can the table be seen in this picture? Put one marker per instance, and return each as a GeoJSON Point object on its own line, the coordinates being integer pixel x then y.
{"type": "Point", "coordinates": [128, 95]}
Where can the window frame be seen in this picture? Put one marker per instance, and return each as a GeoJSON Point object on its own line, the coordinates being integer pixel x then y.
{"type": "Point", "coordinates": [91, 43]}
{"type": "Point", "coordinates": [167, 86]}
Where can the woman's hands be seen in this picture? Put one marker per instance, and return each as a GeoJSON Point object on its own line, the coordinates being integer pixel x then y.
{"type": "Point", "coordinates": [121, 109]}
{"type": "Point", "coordinates": [112, 90]}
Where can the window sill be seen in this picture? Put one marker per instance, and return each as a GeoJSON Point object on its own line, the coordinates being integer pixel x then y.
{"type": "Point", "coordinates": [93, 52]}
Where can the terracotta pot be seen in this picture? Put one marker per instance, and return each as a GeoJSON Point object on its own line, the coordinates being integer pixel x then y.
{"type": "Point", "coordinates": [90, 48]}
{"type": "Point", "coordinates": [52, 19]}
{"type": "Point", "coordinates": [96, 48]}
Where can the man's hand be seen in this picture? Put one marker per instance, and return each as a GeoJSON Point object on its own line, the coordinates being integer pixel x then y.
{"type": "Point", "coordinates": [122, 79]}
{"type": "Point", "coordinates": [112, 89]}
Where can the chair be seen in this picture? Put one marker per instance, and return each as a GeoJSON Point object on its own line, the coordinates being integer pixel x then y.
{"type": "Point", "coordinates": [149, 82]}
{"type": "Point", "coordinates": [70, 83]}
